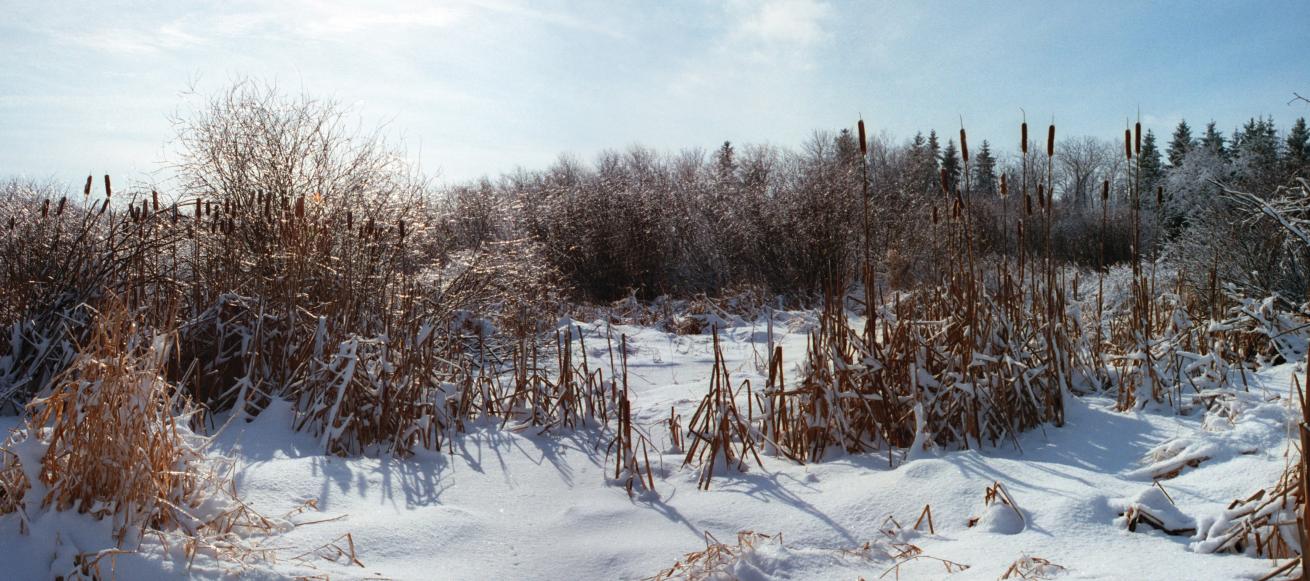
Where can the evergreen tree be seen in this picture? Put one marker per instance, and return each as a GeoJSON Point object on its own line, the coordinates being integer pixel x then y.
{"type": "Point", "coordinates": [923, 165]}
{"type": "Point", "coordinates": [950, 163]}
{"type": "Point", "coordinates": [725, 163]}
{"type": "Point", "coordinates": [1181, 143]}
{"type": "Point", "coordinates": [1152, 170]}
{"type": "Point", "coordinates": [1296, 158]}
{"type": "Point", "coordinates": [984, 171]}
{"type": "Point", "coordinates": [1213, 141]}
{"type": "Point", "coordinates": [1255, 156]}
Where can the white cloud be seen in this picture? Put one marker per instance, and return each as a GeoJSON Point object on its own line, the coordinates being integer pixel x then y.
{"type": "Point", "coordinates": [797, 23]}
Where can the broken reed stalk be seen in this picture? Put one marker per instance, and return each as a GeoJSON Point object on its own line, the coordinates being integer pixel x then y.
{"type": "Point", "coordinates": [718, 431]}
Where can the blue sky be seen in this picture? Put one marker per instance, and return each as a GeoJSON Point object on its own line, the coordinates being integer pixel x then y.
{"type": "Point", "coordinates": [480, 86]}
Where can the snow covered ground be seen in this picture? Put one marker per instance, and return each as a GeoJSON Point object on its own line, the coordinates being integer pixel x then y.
{"type": "Point", "coordinates": [515, 505]}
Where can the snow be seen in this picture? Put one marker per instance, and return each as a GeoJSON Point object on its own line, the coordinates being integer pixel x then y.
{"type": "Point", "coordinates": [516, 505]}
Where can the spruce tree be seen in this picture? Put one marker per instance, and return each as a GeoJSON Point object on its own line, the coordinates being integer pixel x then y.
{"type": "Point", "coordinates": [1181, 143]}
{"type": "Point", "coordinates": [984, 171]}
{"type": "Point", "coordinates": [1152, 170]}
{"type": "Point", "coordinates": [1296, 158]}
{"type": "Point", "coordinates": [1255, 155]}
{"type": "Point", "coordinates": [1213, 141]}
{"type": "Point", "coordinates": [950, 163]}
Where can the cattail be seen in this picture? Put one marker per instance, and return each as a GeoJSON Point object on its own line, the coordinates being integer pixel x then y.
{"type": "Point", "coordinates": [1041, 196]}
{"type": "Point", "coordinates": [964, 146]}
{"type": "Point", "coordinates": [45, 208]}
{"type": "Point", "coordinates": [268, 208]}
{"type": "Point", "coordinates": [131, 211]}
{"type": "Point", "coordinates": [1023, 140]}
{"type": "Point", "coordinates": [1105, 191]}
{"type": "Point", "coordinates": [934, 215]}
{"type": "Point", "coordinates": [154, 198]}
{"type": "Point", "coordinates": [1050, 141]}
{"type": "Point", "coordinates": [401, 228]}
{"type": "Point", "coordinates": [174, 214]}
{"type": "Point", "coordinates": [200, 209]}
{"type": "Point", "coordinates": [145, 209]}
{"type": "Point", "coordinates": [1137, 144]}
{"type": "Point", "coordinates": [1128, 144]}
{"type": "Point", "coordinates": [104, 206]}
{"type": "Point", "coordinates": [1005, 189]}
{"type": "Point", "coordinates": [864, 142]}
{"type": "Point", "coordinates": [946, 188]}
{"type": "Point", "coordinates": [300, 207]}
{"type": "Point", "coordinates": [1028, 203]}
{"type": "Point", "coordinates": [1159, 196]}
{"type": "Point", "coordinates": [350, 220]}
{"type": "Point", "coordinates": [60, 210]}
{"type": "Point", "coordinates": [109, 191]}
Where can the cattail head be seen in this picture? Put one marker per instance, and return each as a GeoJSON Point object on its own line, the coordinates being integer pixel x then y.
{"type": "Point", "coordinates": [86, 191]}
{"type": "Point", "coordinates": [1041, 196]}
{"type": "Point", "coordinates": [45, 208]}
{"type": "Point", "coordinates": [1159, 196]}
{"type": "Point", "coordinates": [175, 214]}
{"type": "Point", "coordinates": [60, 210]}
{"type": "Point", "coordinates": [1137, 139]}
{"type": "Point", "coordinates": [934, 215]}
{"type": "Point", "coordinates": [1050, 141]}
{"type": "Point", "coordinates": [350, 220]}
{"type": "Point", "coordinates": [200, 209]}
{"type": "Point", "coordinates": [946, 186]}
{"type": "Point", "coordinates": [964, 146]}
{"type": "Point", "coordinates": [864, 142]}
{"type": "Point", "coordinates": [401, 228]}
{"type": "Point", "coordinates": [300, 207]}
{"type": "Point", "coordinates": [109, 190]}
{"type": "Point", "coordinates": [1005, 189]}
{"type": "Point", "coordinates": [145, 209]}
{"type": "Point", "coordinates": [1105, 191]}
{"type": "Point", "coordinates": [154, 198]}
{"type": "Point", "coordinates": [1023, 137]}
{"type": "Point", "coordinates": [1028, 203]}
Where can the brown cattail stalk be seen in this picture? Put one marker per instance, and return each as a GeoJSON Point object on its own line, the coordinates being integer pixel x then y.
{"type": "Point", "coordinates": [964, 146]}
{"type": "Point", "coordinates": [1023, 139]}
{"type": "Point", "coordinates": [1050, 141]}
{"type": "Point", "coordinates": [864, 143]}
{"type": "Point", "coordinates": [1128, 144]}
{"type": "Point", "coordinates": [1005, 189]}
{"type": "Point", "coordinates": [86, 191]}
{"type": "Point", "coordinates": [1137, 145]}
{"type": "Point", "coordinates": [109, 191]}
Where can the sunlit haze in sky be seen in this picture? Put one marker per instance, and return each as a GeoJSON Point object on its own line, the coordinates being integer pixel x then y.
{"type": "Point", "coordinates": [479, 87]}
